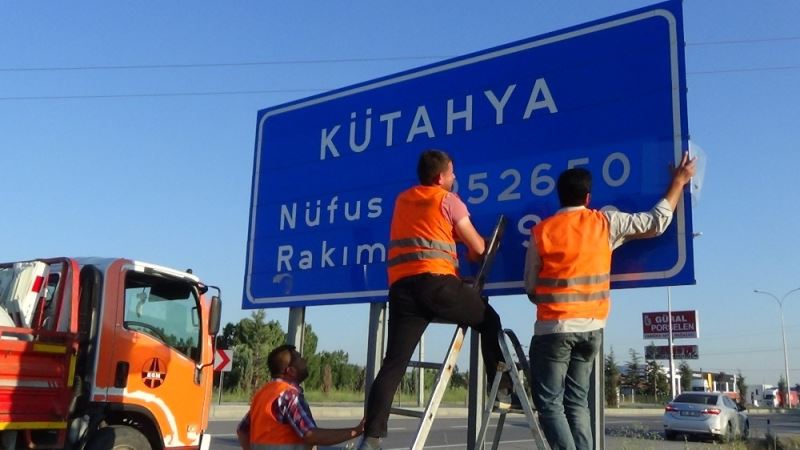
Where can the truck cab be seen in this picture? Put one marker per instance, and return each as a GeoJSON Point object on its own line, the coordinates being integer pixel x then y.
{"type": "Point", "coordinates": [104, 353]}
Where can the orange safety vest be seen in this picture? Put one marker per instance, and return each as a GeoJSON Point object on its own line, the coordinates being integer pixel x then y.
{"type": "Point", "coordinates": [265, 429]}
{"type": "Point", "coordinates": [421, 237]}
{"type": "Point", "coordinates": [574, 279]}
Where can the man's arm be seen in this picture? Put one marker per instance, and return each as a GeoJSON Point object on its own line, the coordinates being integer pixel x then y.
{"type": "Point", "coordinates": [624, 226]}
{"type": "Point", "coordinates": [294, 409]}
{"type": "Point", "coordinates": [469, 235]}
{"type": "Point", "coordinates": [332, 436]}
{"type": "Point", "coordinates": [533, 263]}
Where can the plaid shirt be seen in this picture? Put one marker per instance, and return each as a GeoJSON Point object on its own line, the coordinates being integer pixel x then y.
{"type": "Point", "coordinates": [289, 408]}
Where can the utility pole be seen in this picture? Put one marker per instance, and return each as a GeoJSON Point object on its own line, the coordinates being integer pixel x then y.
{"type": "Point", "coordinates": [788, 393]}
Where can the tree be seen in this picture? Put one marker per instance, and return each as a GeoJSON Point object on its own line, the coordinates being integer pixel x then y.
{"type": "Point", "coordinates": [310, 341]}
{"type": "Point", "coordinates": [251, 339]}
{"type": "Point", "coordinates": [633, 372]}
{"type": "Point", "coordinates": [656, 380]}
{"type": "Point", "coordinates": [225, 339]}
{"type": "Point", "coordinates": [782, 389]}
{"type": "Point", "coordinates": [345, 376]}
{"type": "Point", "coordinates": [612, 380]}
{"type": "Point", "coordinates": [459, 379]}
{"type": "Point", "coordinates": [327, 379]}
{"type": "Point", "coordinates": [741, 387]}
{"type": "Point", "coordinates": [686, 376]}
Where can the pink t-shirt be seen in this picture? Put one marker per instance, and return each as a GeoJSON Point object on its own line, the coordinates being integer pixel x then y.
{"type": "Point", "coordinates": [453, 208]}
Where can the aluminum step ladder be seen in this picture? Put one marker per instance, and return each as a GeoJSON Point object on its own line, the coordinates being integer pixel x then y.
{"type": "Point", "coordinates": [513, 369]}
{"type": "Point", "coordinates": [446, 368]}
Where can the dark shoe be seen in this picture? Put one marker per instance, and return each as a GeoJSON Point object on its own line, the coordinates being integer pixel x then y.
{"type": "Point", "coordinates": [507, 400]}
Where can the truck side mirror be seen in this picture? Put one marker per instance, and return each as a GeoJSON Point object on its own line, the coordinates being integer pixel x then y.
{"type": "Point", "coordinates": [214, 316]}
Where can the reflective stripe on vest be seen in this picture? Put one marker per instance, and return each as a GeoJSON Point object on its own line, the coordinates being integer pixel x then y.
{"type": "Point", "coordinates": [420, 242]}
{"type": "Point", "coordinates": [265, 429]}
{"type": "Point", "coordinates": [567, 282]}
{"type": "Point", "coordinates": [574, 279]}
{"type": "Point", "coordinates": [566, 297]}
{"type": "Point", "coordinates": [421, 237]}
{"type": "Point", "coordinates": [420, 255]}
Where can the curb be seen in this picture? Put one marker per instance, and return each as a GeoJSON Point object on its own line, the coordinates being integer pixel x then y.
{"type": "Point", "coordinates": [237, 411]}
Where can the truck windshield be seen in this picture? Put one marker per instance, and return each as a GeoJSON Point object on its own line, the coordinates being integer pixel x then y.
{"type": "Point", "coordinates": [164, 308]}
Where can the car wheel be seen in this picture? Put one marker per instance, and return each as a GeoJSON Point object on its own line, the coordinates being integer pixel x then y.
{"type": "Point", "coordinates": [727, 435]}
{"type": "Point", "coordinates": [670, 435]}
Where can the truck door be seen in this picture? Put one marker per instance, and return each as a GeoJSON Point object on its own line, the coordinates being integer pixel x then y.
{"type": "Point", "coordinates": [158, 347]}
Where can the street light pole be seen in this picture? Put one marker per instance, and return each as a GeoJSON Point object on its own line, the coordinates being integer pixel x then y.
{"type": "Point", "coordinates": [671, 356]}
{"type": "Point", "coordinates": [788, 392]}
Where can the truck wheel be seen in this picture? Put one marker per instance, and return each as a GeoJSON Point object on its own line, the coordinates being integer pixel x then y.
{"type": "Point", "coordinates": [118, 437]}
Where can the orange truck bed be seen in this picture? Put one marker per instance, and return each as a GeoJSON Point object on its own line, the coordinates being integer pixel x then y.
{"type": "Point", "coordinates": [36, 378]}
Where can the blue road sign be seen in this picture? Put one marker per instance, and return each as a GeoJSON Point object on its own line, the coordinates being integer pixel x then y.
{"type": "Point", "coordinates": [608, 95]}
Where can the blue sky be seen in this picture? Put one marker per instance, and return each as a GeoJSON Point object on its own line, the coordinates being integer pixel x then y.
{"type": "Point", "coordinates": [127, 130]}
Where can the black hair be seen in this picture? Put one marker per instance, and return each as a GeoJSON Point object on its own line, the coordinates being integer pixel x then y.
{"type": "Point", "coordinates": [431, 163]}
{"type": "Point", "coordinates": [573, 185]}
{"type": "Point", "coordinates": [277, 361]}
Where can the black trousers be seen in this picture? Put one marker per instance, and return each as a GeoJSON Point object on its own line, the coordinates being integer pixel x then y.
{"type": "Point", "coordinates": [413, 303]}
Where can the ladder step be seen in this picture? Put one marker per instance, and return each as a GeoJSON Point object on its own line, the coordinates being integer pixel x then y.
{"type": "Point", "coordinates": [408, 412]}
{"type": "Point", "coordinates": [426, 365]}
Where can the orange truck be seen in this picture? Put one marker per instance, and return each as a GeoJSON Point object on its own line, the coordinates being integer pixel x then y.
{"type": "Point", "coordinates": [102, 354]}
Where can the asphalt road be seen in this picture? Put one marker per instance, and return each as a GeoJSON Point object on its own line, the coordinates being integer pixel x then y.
{"type": "Point", "coordinates": [622, 431]}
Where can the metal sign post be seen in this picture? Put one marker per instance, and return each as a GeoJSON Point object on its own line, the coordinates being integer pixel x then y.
{"type": "Point", "coordinates": [477, 391]}
{"type": "Point", "coordinates": [375, 343]}
{"type": "Point", "coordinates": [597, 398]}
{"type": "Point", "coordinates": [295, 333]}
{"type": "Point", "coordinates": [223, 362]}
{"type": "Point", "coordinates": [221, 378]}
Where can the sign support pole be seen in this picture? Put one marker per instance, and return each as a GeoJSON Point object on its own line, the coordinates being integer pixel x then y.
{"type": "Point", "coordinates": [421, 374]}
{"type": "Point", "coordinates": [477, 391]}
{"type": "Point", "coordinates": [377, 324]}
{"type": "Point", "coordinates": [597, 397]}
{"type": "Point", "coordinates": [221, 378]}
{"type": "Point", "coordinates": [295, 334]}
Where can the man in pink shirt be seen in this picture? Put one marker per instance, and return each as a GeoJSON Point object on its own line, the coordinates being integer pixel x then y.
{"type": "Point", "coordinates": [427, 221]}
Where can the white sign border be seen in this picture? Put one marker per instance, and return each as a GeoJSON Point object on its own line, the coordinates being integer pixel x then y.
{"type": "Point", "coordinates": [676, 120]}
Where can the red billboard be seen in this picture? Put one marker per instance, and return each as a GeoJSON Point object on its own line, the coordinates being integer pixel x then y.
{"type": "Point", "coordinates": [655, 325]}
{"type": "Point", "coordinates": [678, 352]}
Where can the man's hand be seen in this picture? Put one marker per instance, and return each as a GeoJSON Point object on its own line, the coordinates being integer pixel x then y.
{"type": "Point", "coordinates": [681, 175]}
{"type": "Point", "coordinates": [358, 430]}
{"type": "Point", "coordinates": [477, 257]}
{"type": "Point", "coordinates": [685, 171]}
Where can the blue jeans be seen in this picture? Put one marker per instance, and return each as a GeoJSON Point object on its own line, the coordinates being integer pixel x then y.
{"type": "Point", "coordinates": [561, 368]}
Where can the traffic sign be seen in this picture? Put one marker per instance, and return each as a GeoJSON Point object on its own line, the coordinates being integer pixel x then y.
{"type": "Point", "coordinates": [223, 360]}
{"type": "Point", "coordinates": [655, 325]}
{"type": "Point", "coordinates": [678, 352]}
{"type": "Point", "coordinates": [609, 95]}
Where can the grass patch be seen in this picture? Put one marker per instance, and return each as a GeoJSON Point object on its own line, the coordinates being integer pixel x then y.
{"type": "Point", "coordinates": [453, 396]}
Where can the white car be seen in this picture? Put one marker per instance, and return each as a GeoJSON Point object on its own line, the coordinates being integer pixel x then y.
{"type": "Point", "coordinates": [705, 414]}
